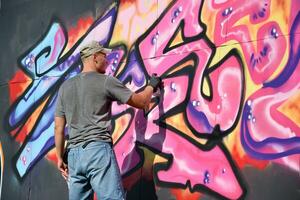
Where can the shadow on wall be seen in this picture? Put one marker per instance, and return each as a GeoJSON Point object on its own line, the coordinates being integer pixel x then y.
{"type": "Point", "coordinates": [144, 186]}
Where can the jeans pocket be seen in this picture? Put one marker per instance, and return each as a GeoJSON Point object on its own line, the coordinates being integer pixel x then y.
{"type": "Point", "coordinates": [97, 157]}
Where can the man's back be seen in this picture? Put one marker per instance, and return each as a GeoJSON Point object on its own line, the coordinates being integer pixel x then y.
{"type": "Point", "coordinates": [86, 100]}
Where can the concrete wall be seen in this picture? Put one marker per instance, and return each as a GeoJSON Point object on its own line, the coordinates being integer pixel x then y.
{"type": "Point", "coordinates": [226, 125]}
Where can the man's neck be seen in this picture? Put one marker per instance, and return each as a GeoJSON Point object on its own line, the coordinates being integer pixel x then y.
{"type": "Point", "coordinates": [88, 68]}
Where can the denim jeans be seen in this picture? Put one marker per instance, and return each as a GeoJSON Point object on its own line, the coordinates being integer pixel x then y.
{"type": "Point", "coordinates": [93, 168]}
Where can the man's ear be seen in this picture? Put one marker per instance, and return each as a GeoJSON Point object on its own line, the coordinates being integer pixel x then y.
{"type": "Point", "coordinates": [94, 58]}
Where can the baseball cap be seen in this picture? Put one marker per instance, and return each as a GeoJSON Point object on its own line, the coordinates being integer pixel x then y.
{"type": "Point", "coordinates": [91, 48]}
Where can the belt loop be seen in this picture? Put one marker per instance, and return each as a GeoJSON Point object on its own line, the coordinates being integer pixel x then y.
{"type": "Point", "coordinates": [86, 143]}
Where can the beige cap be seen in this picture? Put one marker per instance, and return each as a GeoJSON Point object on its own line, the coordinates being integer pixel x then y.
{"type": "Point", "coordinates": [91, 48]}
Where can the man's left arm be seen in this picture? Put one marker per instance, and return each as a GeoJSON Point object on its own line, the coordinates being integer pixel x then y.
{"type": "Point", "coordinates": [60, 123]}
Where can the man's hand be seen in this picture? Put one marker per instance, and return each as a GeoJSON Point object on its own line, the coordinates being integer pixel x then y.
{"type": "Point", "coordinates": [155, 82]}
{"type": "Point", "coordinates": [63, 168]}
{"type": "Point", "coordinates": [142, 99]}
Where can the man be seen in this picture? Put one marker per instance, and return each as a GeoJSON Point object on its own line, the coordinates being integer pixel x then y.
{"type": "Point", "coordinates": [84, 105]}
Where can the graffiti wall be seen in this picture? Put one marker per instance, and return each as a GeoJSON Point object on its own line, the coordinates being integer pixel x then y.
{"type": "Point", "coordinates": [226, 124]}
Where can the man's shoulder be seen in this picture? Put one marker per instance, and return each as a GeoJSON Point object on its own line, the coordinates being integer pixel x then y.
{"type": "Point", "coordinates": [113, 79]}
{"type": "Point", "coordinates": [68, 82]}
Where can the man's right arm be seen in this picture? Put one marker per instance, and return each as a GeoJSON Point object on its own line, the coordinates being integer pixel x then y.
{"type": "Point", "coordinates": [142, 99]}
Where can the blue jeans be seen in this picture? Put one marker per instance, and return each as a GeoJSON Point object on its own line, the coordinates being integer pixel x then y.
{"type": "Point", "coordinates": [94, 168]}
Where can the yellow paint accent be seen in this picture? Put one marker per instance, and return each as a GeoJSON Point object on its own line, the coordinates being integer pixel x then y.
{"type": "Point", "coordinates": [208, 17]}
{"type": "Point", "coordinates": [205, 87]}
{"type": "Point", "coordinates": [178, 39]}
{"type": "Point", "coordinates": [291, 108]}
{"type": "Point", "coordinates": [121, 124]}
{"type": "Point", "coordinates": [178, 122]}
{"type": "Point", "coordinates": [183, 65]}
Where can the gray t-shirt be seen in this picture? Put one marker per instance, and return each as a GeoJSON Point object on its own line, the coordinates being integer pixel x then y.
{"type": "Point", "coordinates": [85, 101]}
